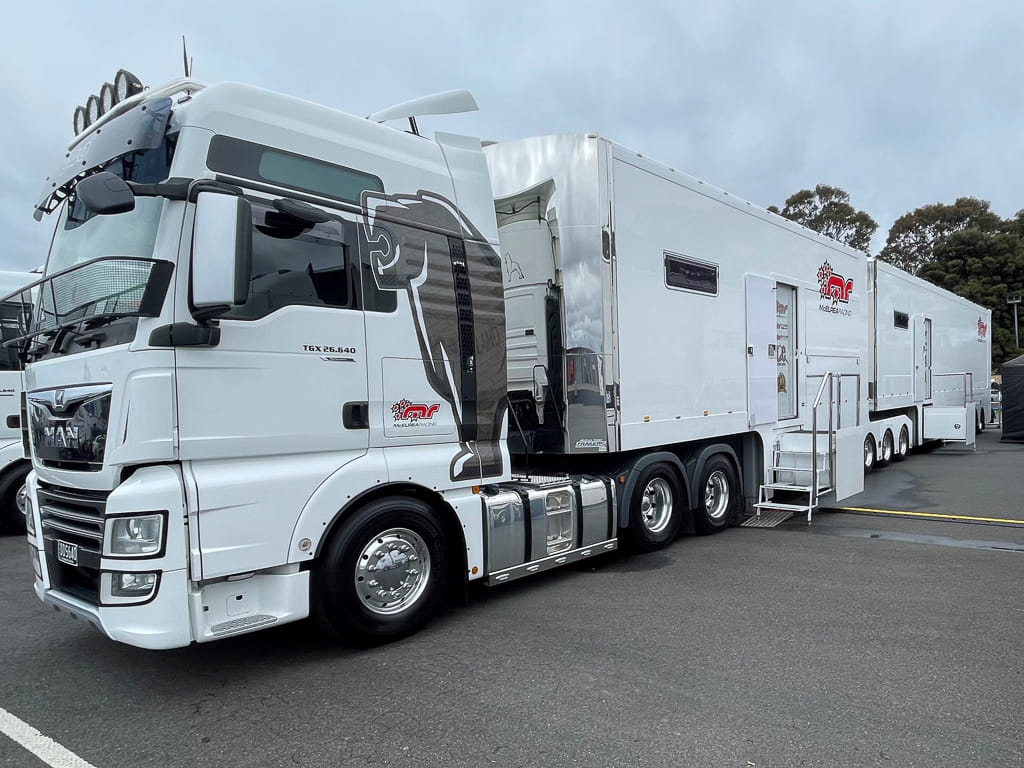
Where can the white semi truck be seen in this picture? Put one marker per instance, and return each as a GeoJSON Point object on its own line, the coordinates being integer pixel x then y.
{"type": "Point", "coordinates": [14, 464]}
{"type": "Point", "coordinates": [288, 361]}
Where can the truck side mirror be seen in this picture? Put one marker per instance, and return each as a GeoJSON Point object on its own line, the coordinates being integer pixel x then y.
{"type": "Point", "coordinates": [221, 252]}
{"type": "Point", "coordinates": [104, 193]}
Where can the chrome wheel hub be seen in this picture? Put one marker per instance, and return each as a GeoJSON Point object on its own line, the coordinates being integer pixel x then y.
{"type": "Point", "coordinates": [904, 443]}
{"type": "Point", "coordinates": [716, 495]}
{"type": "Point", "coordinates": [21, 499]}
{"type": "Point", "coordinates": [869, 454]}
{"type": "Point", "coordinates": [392, 571]}
{"type": "Point", "coordinates": [656, 505]}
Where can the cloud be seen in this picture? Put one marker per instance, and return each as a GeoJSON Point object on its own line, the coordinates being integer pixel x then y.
{"type": "Point", "coordinates": [901, 104]}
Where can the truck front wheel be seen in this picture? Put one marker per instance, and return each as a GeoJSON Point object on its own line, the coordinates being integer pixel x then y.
{"type": "Point", "coordinates": [382, 573]}
{"type": "Point", "coordinates": [654, 508]}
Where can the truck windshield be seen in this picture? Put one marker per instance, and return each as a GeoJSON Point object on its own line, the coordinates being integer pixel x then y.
{"type": "Point", "coordinates": [83, 236]}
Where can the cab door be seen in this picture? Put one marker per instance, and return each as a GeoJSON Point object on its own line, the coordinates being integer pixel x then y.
{"type": "Point", "coordinates": [280, 402]}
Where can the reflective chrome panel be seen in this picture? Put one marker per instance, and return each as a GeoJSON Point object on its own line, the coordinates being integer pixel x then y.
{"type": "Point", "coordinates": [579, 217]}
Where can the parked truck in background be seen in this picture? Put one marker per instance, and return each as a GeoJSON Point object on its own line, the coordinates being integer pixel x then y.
{"type": "Point", "coordinates": [288, 361]}
{"type": "Point", "coordinates": [14, 463]}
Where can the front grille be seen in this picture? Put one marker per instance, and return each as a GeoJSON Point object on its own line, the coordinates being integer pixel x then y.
{"type": "Point", "coordinates": [72, 517]}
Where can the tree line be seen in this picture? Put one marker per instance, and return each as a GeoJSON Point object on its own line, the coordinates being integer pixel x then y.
{"type": "Point", "coordinates": [963, 247]}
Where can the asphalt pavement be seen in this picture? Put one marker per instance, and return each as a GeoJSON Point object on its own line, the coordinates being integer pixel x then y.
{"type": "Point", "coordinates": [865, 639]}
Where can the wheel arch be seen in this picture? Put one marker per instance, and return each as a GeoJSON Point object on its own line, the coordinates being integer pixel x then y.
{"type": "Point", "coordinates": [632, 471]}
{"type": "Point", "coordinates": [444, 513]}
{"type": "Point", "coordinates": [701, 460]}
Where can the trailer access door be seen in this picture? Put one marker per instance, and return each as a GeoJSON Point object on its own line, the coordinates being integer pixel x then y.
{"type": "Point", "coordinates": [922, 359]}
{"type": "Point", "coordinates": [762, 344]}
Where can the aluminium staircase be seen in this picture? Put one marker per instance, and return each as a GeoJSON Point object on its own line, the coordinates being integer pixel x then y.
{"type": "Point", "coordinates": [801, 470]}
{"type": "Point", "coordinates": [803, 465]}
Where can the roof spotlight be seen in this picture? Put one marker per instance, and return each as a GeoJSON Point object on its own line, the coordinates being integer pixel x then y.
{"type": "Point", "coordinates": [107, 97]}
{"type": "Point", "coordinates": [92, 109]}
{"type": "Point", "coordinates": [126, 84]}
{"type": "Point", "coordinates": [81, 120]}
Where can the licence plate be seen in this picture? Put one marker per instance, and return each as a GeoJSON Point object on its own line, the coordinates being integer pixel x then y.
{"type": "Point", "coordinates": [67, 553]}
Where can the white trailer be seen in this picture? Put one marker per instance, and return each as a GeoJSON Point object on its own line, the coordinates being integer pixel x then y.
{"type": "Point", "coordinates": [287, 394]}
{"type": "Point", "coordinates": [931, 353]}
{"type": "Point", "coordinates": [14, 464]}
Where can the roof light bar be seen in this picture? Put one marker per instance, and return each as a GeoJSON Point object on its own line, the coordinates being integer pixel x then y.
{"type": "Point", "coordinates": [125, 86]}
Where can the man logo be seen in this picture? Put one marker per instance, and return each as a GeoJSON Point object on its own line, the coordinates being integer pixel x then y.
{"type": "Point", "coordinates": [58, 398]}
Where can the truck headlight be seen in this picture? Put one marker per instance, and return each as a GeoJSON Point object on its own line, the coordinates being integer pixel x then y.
{"type": "Point", "coordinates": [138, 535]}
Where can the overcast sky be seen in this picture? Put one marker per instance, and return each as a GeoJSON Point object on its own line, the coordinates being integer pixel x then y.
{"type": "Point", "coordinates": [901, 103]}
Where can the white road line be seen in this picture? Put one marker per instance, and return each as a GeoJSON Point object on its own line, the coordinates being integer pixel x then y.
{"type": "Point", "coordinates": [43, 747]}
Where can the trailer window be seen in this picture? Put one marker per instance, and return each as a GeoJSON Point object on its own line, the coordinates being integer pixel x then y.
{"type": "Point", "coordinates": [286, 169]}
{"type": "Point", "coordinates": [900, 320]}
{"type": "Point", "coordinates": [294, 265]}
{"type": "Point", "coordinates": [690, 275]}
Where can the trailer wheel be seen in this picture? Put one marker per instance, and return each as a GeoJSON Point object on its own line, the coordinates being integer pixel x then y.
{"type": "Point", "coordinates": [381, 575]}
{"type": "Point", "coordinates": [718, 495]}
{"type": "Point", "coordinates": [869, 454]}
{"type": "Point", "coordinates": [981, 421]}
{"type": "Point", "coordinates": [888, 449]}
{"type": "Point", "coordinates": [903, 446]}
{"type": "Point", "coordinates": [654, 508]}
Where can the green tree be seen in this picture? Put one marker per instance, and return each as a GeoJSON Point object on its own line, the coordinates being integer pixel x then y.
{"type": "Point", "coordinates": [828, 210]}
{"type": "Point", "coordinates": [986, 269]}
{"type": "Point", "coordinates": [914, 235]}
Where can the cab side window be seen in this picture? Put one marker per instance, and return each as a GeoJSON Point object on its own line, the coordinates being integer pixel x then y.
{"type": "Point", "coordinates": [294, 263]}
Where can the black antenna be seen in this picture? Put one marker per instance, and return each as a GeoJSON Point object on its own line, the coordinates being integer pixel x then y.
{"type": "Point", "coordinates": [184, 57]}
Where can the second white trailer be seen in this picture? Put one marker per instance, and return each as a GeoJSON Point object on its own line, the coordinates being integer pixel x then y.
{"type": "Point", "coordinates": [931, 354]}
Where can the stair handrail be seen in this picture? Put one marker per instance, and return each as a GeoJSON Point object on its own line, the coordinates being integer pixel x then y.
{"type": "Point", "coordinates": [827, 379]}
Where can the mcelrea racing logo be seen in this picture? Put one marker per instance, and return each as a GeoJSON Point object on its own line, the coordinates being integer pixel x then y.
{"type": "Point", "coordinates": [404, 410]}
{"type": "Point", "coordinates": [834, 286]}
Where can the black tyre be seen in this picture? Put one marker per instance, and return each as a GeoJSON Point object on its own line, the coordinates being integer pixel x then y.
{"type": "Point", "coordinates": [980, 426]}
{"type": "Point", "coordinates": [655, 508]}
{"type": "Point", "coordinates": [870, 454]}
{"type": "Point", "coordinates": [12, 519]}
{"type": "Point", "coordinates": [383, 573]}
{"type": "Point", "coordinates": [718, 494]}
{"type": "Point", "coordinates": [888, 448]}
{"type": "Point", "coordinates": [903, 445]}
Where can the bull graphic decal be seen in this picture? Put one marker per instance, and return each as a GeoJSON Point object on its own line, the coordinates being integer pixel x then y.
{"type": "Point", "coordinates": [423, 245]}
{"type": "Point", "coordinates": [833, 285]}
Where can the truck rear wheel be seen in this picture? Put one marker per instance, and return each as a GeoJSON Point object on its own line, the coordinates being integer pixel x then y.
{"type": "Point", "coordinates": [718, 494]}
{"type": "Point", "coordinates": [888, 448]}
{"type": "Point", "coordinates": [903, 446]}
{"type": "Point", "coordinates": [654, 511]}
{"type": "Point", "coordinates": [382, 574]}
{"type": "Point", "coordinates": [869, 454]}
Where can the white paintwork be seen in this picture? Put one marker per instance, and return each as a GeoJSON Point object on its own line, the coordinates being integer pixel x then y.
{"type": "Point", "coordinates": [849, 468]}
{"type": "Point", "coordinates": [445, 103]}
{"type": "Point", "coordinates": [762, 368]}
{"type": "Point", "coordinates": [213, 250]}
{"type": "Point", "coordinates": [950, 423]}
{"type": "Point", "coordinates": [946, 334]}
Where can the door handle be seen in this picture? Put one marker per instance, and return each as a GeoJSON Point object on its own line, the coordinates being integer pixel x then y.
{"type": "Point", "coordinates": [356, 415]}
